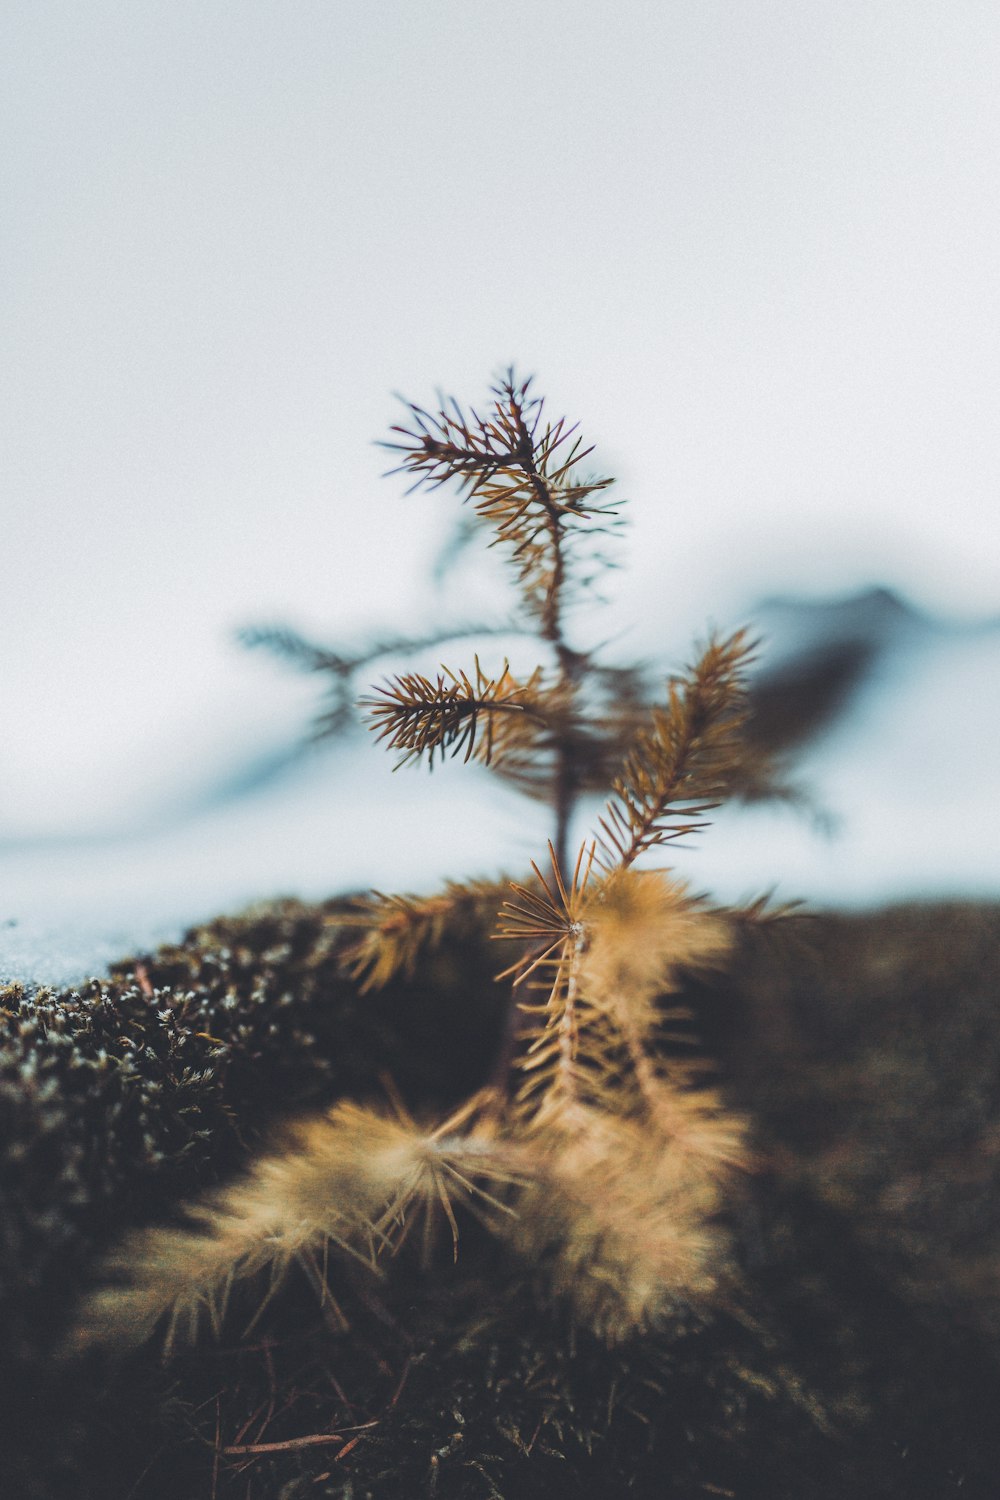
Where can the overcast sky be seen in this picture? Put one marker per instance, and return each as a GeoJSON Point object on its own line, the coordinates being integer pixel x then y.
{"type": "Point", "coordinates": [752, 244]}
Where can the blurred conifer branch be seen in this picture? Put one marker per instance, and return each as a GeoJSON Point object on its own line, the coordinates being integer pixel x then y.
{"type": "Point", "coordinates": [390, 933]}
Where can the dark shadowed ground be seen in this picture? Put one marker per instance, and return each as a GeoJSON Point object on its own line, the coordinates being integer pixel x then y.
{"type": "Point", "coordinates": [858, 1355]}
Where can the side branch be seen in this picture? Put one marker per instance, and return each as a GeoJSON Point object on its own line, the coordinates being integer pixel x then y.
{"type": "Point", "coordinates": [684, 761]}
{"type": "Point", "coordinates": [554, 919]}
{"type": "Point", "coordinates": [418, 716]}
{"type": "Point", "coordinates": [386, 935]}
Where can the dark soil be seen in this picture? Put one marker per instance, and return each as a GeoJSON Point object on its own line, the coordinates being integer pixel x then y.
{"type": "Point", "coordinates": [858, 1355]}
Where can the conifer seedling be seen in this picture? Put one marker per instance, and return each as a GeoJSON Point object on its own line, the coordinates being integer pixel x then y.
{"type": "Point", "coordinates": [598, 1156]}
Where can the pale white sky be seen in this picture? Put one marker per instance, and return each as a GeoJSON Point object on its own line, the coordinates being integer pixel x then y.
{"type": "Point", "coordinates": [752, 244]}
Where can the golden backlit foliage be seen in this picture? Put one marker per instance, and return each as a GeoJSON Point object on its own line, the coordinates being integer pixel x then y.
{"type": "Point", "coordinates": [599, 1154]}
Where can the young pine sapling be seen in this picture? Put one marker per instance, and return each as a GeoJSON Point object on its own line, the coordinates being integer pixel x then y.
{"type": "Point", "coordinates": [597, 1155]}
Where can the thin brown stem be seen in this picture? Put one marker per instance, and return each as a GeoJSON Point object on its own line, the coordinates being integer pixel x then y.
{"type": "Point", "coordinates": [568, 1028]}
{"type": "Point", "coordinates": [644, 832]}
{"type": "Point", "coordinates": [290, 1445]}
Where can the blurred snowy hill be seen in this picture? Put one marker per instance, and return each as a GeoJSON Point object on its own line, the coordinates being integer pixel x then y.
{"type": "Point", "coordinates": [895, 717]}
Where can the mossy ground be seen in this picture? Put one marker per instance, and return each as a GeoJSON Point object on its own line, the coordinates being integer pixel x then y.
{"type": "Point", "coordinates": [858, 1353]}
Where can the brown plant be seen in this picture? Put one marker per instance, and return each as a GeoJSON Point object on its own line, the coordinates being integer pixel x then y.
{"type": "Point", "coordinates": [597, 1153]}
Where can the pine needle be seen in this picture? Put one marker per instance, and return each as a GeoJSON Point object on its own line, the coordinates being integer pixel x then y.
{"type": "Point", "coordinates": [432, 718]}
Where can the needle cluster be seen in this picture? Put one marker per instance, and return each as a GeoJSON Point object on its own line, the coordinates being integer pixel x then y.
{"type": "Point", "coordinates": [522, 474]}
{"type": "Point", "coordinates": [420, 717]}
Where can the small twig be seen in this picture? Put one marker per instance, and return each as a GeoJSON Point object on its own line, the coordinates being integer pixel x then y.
{"type": "Point", "coordinates": [271, 1380]}
{"type": "Point", "coordinates": [313, 1440]}
{"type": "Point", "coordinates": [251, 1419]}
{"type": "Point", "coordinates": [345, 1450]}
{"type": "Point", "coordinates": [340, 1391]}
{"type": "Point", "coordinates": [402, 1381]}
{"type": "Point", "coordinates": [216, 1450]}
{"type": "Point", "coordinates": [135, 1488]}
